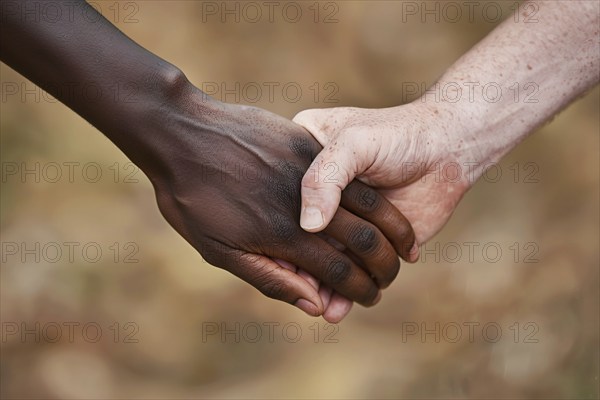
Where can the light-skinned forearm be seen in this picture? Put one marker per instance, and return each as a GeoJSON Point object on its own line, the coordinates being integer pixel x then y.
{"type": "Point", "coordinates": [524, 72]}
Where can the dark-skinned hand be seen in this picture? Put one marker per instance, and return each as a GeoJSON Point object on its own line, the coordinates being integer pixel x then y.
{"type": "Point", "coordinates": [227, 177]}
{"type": "Point", "coordinates": [232, 190]}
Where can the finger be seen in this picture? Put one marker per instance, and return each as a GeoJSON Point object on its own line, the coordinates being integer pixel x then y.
{"type": "Point", "coordinates": [415, 252]}
{"type": "Point", "coordinates": [314, 282]}
{"type": "Point", "coordinates": [340, 247]}
{"type": "Point", "coordinates": [334, 243]}
{"type": "Point", "coordinates": [367, 243]}
{"type": "Point", "coordinates": [371, 206]}
{"type": "Point", "coordinates": [340, 157]}
{"type": "Point", "coordinates": [325, 292]}
{"type": "Point", "coordinates": [275, 281]}
{"type": "Point", "coordinates": [330, 266]}
{"type": "Point", "coordinates": [338, 308]}
{"type": "Point", "coordinates": [286, 265]}
{"type": "Point", "coordinates": [322, 185]}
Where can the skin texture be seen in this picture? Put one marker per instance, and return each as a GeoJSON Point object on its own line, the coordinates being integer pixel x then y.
{"type": "Point", "coordinates": [236, 198]}
{"type": "Point", "coordinates": [400, 152]}
{"type": "Point", "coordinates": [227, 177]}
{"type": "Point", "coordinates": [408, 152]}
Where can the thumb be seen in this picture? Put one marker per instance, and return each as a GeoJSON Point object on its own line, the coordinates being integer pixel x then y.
{"type": "Point", "coordinates": [330, 172]}
{"type": "Point", "coordinates": [320, 122]}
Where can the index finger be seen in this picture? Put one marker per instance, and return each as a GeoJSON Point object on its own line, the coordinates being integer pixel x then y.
{"type": "Point", "coordinates": [371, 206]}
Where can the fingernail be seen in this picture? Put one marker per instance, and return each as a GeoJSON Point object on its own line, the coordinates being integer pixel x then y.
{"type": "Point", "coordinates": [311, 218]}
{"type": "Point", "coordinates": [414, 252]}
{"type": "Point", "coordinates": [308, 307]}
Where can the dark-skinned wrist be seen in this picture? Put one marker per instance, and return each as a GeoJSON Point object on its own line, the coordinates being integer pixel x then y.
{"type": "Point", "coordinates": [168, 121]}
{"type": "Point", "coordinates": [143, 126]}
{"type": "Point", "coordinates": [122, 89]}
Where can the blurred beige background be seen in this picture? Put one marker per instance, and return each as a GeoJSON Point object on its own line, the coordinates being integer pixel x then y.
{"type": "Point", "coordinates": [146, 329]}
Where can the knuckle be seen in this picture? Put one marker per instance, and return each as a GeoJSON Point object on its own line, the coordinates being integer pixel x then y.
{"type": "Point", "coordinates": [367, 199]}
{"type": "Point", "coordinates": [265, 280]}
{"type": "Point", "coordinates": [274, 289]}
{"type": "Point", "coordinates": [362, 198]}
{"type": "Point", "coordinates": [311, 177]}
{"type": "Point", "coordinates": [304, 116]}
{"type": "Point", "coordinates": [337, 271]}
{"type": "Point", "coordinates": [363, 238]}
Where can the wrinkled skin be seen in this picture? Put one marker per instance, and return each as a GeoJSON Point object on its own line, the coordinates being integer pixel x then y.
{"type": "Point", "coordinates": [400, 151]}
{"type": "Point", "coordinates": [232, 189]}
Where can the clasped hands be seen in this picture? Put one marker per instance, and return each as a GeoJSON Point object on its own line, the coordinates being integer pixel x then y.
{"type": "Point", "coordinates": [276, 202]}
{"type": "Point", "coordinates": [237, 179]}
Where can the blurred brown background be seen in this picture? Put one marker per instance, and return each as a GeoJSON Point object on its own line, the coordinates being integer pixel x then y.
{"type": "Point", "coordinates": [144, 318]}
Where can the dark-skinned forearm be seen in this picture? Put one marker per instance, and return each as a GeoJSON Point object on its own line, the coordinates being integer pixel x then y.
{"type": "Point", "coordinates": [226, 176]}
{"type": "Point", "coordinates": [92, 67]}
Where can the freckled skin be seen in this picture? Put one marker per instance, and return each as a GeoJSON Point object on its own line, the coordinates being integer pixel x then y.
{"type": "Point", "coordinates": [404, 151]}
{"type": "Point", "coordinates": [226, 177]}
